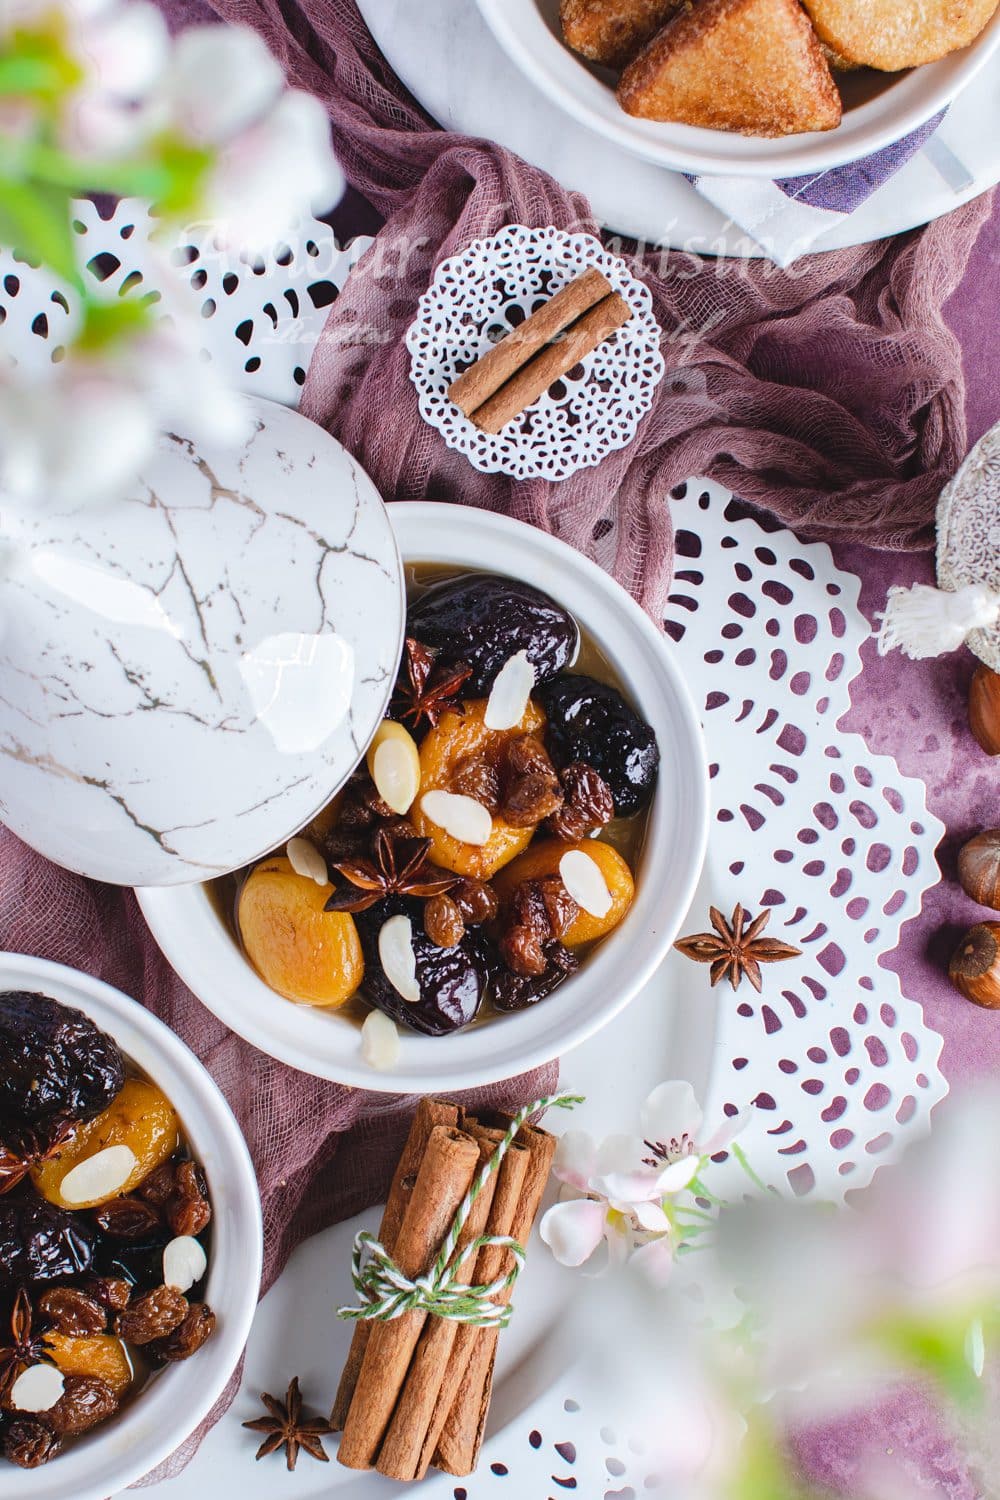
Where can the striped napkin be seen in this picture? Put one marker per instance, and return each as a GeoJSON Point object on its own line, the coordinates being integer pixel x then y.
{"type": "Point", "coordinates": [787, 217]}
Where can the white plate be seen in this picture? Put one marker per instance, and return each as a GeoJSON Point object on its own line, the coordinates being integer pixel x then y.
{"type": "Point", "coordinates": [189, 930]}
{"type": "Point", "coordinates": [168, 1411]}
{"type": "Point", "coordinates": [449, 60]}
{"type": "Point", "coordinates": [668, 1031]}
{"type": "Point", "coordinates": [879, 108]}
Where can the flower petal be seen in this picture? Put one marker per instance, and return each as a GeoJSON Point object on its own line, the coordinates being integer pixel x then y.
{"type": "Point", "coordinates": [731, 1127]}
{"type": "Point", "coordinates": [573, 1231]}
{"type": "Point", "coordinates": [655, 1260]}
{"type": "Point", "coordinates": [671, 1112]}
{"type": "Point", "coordinates": [575, 1158]}
{"type": "Point", "coordinates": [222, 79]}
{"type": "Point", "coordinates": [650, 1216]}
{"type": "Point", "coordinates": [675, 1177]}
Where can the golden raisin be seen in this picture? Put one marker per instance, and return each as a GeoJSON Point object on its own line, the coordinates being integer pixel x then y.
{"type": "Point", "coordinates": [443, 922]}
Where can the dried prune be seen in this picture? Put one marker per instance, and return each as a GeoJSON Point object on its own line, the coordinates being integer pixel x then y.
{"type": "Point", "coordinates": [86, 1400]}
{"type": "Point", "coordinates": [138, 1264]}
{"type": "Point", "coordinates": [29, 1443]}
{"type": "Point", "coordinates": [589, 804]}
{"type": "Point", "coordinates": [451, 980]}
{"type": "Point", "coordinates": [54, 1062]}
{"type": "Point", "coordinates": [152, 1316]}
{"type": "Point", "coordinates": [590, 721]}
{"type": "Point", "coordinates": [188, 1337]}
{"type": "Point", "coordinates": [518, 991]}
{"type": "Point", "coordinates": [484, 620]}
{"type": "Point", "coordinates": [70, 1310]}
{"type": "Point", "coordinates": [40, 1243]}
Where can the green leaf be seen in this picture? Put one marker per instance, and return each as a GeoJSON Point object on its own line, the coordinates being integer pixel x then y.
{"type": "Point", "coordinates": [35, 221]}
{"type": "Point", "coordinates": [105, 322]}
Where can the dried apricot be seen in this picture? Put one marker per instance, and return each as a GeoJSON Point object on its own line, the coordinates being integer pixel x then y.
{"type": "Point", "coordinates": [141, 1118]}
{"type": "Point", "coordinates": [543, 859]}
{"type": "Point", "coordinates": [100, 1355]}
{"type": "Point", "coordinates": [443, 751]}
{"type": "Point", "coordinates": [307, 954]}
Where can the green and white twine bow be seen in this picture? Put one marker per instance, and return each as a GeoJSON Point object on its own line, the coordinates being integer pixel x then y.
{"type": "Point", "coordinates": [385, 1293]}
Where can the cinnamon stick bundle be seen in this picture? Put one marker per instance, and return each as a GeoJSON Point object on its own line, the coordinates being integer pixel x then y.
{"type": "Point", "coordinates": [462, 1433]}
{"type": "Point", "coordinates": [430, 1112]}
{"type": "Point", "coordinates": [443, 1180]}
{"type": "Point", "coordinates": [416, 1388]}
{"type": "Point", "coordinates": [521, 367]}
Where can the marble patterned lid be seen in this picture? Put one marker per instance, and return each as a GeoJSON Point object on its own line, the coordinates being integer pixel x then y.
{"type": "Point", "coordinates": [188, 674]}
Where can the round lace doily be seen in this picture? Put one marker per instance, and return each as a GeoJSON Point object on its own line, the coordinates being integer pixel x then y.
{"type": "Point", "coordinates": [807, 822]}
{"type": "Point", "coordinates": [489, 289]}
{"type": "Point", "coordinates": [968, 541]}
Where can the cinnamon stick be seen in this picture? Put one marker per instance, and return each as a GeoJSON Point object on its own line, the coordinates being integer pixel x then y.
{"type": "Point", "coordinates": [406, 1437]}
{"type": "Point", "coordinates": [534, 378]}
{"type": "Point", "coordinates": [461, 1437]}
{"type": "Point", "coordinates": [443, 1180]}
{"type": "Point", "coordinates": [483, 379]}
{"type": "Point", "coordinates": [430, 1112]}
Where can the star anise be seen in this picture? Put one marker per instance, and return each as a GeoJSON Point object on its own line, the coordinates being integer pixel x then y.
{"type": "Point", "coordinates": [736, 947]}
{"type": "Point", "coordinates": [29, 1150]}
{"type": "Point", "coordinates": [285, 1428]}
{"type": "Point", "coordinates": [428, 690]}
{"type": "Point", "coordinates": [398, 867]}
{"type": "Point", "coordinates": [26, 1345]}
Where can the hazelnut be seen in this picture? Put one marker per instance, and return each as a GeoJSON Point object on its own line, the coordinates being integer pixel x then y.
{"type": "Point", "coordinates": [984, 709]}
{"type": "Point", "coordinates": [975, 966]}
{"type": "Point", "coordinates": [979, 868]}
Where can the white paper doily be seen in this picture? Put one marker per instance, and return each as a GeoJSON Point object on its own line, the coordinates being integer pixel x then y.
{"type": "Point", "coordinates": [490, 288]}
{"type": "Point", "coordinates": [968, 537]}
{"type": "Point", "coordinates": [833, 840]}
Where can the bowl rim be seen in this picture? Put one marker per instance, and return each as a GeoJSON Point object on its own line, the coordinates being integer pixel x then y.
{"type": "Point", "coordinates": [180, 917]}
{"type": "Point", "coordinates": [560, 75]}
{"type": "Point", "coordinates": [113, 1457]}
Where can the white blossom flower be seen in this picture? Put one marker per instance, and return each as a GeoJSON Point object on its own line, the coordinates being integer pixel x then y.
{"type": "Point", "coordinates": [122, 51]}
{"type": "Point", "coordinates": [616, 1192]}
{"type": "Point", "coordinates": [273, 172]}
{"type": "Point", "coordinates": [221, 79]}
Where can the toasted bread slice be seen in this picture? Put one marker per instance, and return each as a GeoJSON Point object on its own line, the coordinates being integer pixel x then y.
{"type": "Point", "coordinates": [895, 34]}
{"type": "Point", "coordinates": [613, 31]}
{"type": "Point", "coordinates": [749, 65]}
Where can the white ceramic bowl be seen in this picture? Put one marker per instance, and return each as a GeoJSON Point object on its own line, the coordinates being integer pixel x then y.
{"type": "Point", "coordinates": [879, 108]}
{"type": "Point", "coordinates": [207, 957]}
{"type": "Point", "coordinates": [114, 1456]}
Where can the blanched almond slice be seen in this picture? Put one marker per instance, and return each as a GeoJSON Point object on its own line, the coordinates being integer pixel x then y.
{"type": "Point", "coordinates": [37, 1388]}
{"type": "Point", "coordinates": [379, 1041]}
{"type": "Point", "coordinates": [98, 1177]}
{"type": "Point", "coordinates": [463, 817]}
{"type": "Point", "coordinates": [305, 859]}
{"type": "Point", "coordinates": [395, 949]}
{"type": "Point", "coordinates": [510, 693]}
{"type": "Point", "coordinates": [394, 765]}
{"type": "Point", "coordinates": [585, 882]}
{"type": "Point", "coordinates": [184, 1262]}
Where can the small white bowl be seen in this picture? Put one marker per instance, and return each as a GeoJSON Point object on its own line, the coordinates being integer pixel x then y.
{"type": "Point", "coordinates": [878, 108]}
{"type": "Point", "coordinates": [188, 928]}
{"type": "Point", "coordinates": [162, 1416]}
